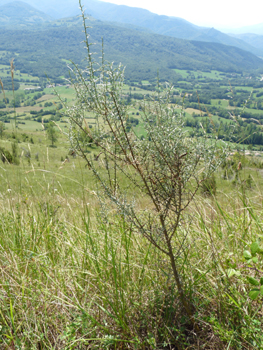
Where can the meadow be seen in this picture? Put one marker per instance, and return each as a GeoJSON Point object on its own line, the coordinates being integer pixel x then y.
{"type": "Point", "coordinates": [76, 274]}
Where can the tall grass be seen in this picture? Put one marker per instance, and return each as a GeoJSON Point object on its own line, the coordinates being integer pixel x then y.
{"type": "Point", "coordinates": [79, 277]}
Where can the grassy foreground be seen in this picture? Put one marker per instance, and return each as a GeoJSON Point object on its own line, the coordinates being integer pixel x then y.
{"type": "Point", "coordinates": [75, 275]}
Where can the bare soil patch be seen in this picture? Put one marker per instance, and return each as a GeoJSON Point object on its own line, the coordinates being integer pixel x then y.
{"type": "Point", "coordinates": [45, 98]}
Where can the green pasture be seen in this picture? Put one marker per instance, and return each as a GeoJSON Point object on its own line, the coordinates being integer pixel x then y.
{"type": "Point", "coordinates": [46, 163]}
{"type": "Point", "coordinates": [200, 75]}
{"type": "Point", "coordinates": [146, 82]}
{"type": "Point", "coordinates": [29, 125]}
{"type": "Point", "coordinates": [238, 87]}
{"type": "Point", "coordinates": [216, 75]}
{"type": "Point", "coordinates": [220, 103]}
{"type": "Point", "coordinates": [253, 111]}
{"type": "Point", "coordinates": [5, 73]}
{"type": "Point", "coordinates": [185, 82]}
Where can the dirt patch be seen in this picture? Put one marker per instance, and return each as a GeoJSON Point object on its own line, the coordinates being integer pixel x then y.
{"type": "Point", "coordinates": [28, 109]}
{"type": "Point", "coordinates": [192, 110]}
{"type": "Point", "coordinates": [45, 98]}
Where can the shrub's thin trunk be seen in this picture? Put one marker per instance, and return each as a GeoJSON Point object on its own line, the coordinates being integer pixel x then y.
{"type": "Point", "coordinates": [186, 304]}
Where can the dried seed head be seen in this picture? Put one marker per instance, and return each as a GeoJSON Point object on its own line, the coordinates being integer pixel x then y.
{"type": "Point", "coordinates": [12, 68]}
{"type": "Point", "coordinates": [2, 86]}
{"type": "Point", "coordinates": [12, 64]}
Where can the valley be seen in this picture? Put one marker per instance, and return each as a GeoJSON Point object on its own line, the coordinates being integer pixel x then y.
{"type": "Point", "coordinates": [220, 100]}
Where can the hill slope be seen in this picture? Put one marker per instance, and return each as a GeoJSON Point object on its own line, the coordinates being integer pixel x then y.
{"type": "Point", "coordinates": [55, 9]}
{"type": "Point", "coordinates": [254, 29]}
{"type": "Point", "coordinates": [165, 25]}
{"type": "Point", "coordinates": [18, 12]}
{"type": "Point", "coordinates": [252, 39]}
{"type": "Point", "coordinates": [143, 53]}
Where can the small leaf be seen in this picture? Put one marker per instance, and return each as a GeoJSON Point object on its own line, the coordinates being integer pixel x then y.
{"type": "Point", "coordinates": [261, 290]}
{"type": "Point", "coordinates": [253, 281]}
{"type": "Point", "coordinates": [255, 259]}
{"type": "Point", "coordinates": [261, 281]}
{"type": "Point", "coordinates": [233, 272]}
{"type": "Point", "coordinates": [253, 294]}
{"type": "Point", "coordinates": [254, 248]}
{"type": "Point", "coordinates": [247, 255]}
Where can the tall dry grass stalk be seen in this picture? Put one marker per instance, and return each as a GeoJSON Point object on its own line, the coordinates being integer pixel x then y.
{"type": "Point", "coordinates": [3, 90]}
{"type": "Point", "coordinates": [73, 277]}
{"type": "Point", "coordinates": [12, 71]}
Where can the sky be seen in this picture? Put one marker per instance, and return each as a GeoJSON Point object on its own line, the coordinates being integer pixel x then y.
{"type": "Point", "coordinates": [218, 14]}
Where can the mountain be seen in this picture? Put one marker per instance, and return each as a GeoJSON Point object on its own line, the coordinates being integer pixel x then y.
{"type": "Point", "coordinates": [18, 12]}
{"type": "Point", "coordinates": [165, 25]}
{"type": "Point", "coordinates": [252, 39]}
{"type": "Point", "coordinates": [254, 29]}
{"type": "Point", "coordinates": [213, 35]}
{"type": "Point", "coordinates": [141, 18]}
{"type": "Point", "coordinates": [55, 9]}
{"type": "Point", "coordinates": [142, 53]}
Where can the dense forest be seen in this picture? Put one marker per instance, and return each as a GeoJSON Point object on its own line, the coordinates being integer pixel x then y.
{"type": "Point", "coordinates": [42, 52]}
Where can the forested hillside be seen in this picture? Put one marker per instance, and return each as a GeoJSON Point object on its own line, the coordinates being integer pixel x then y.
{"type": "Point", "coordinates": [18, 13]}
{"type": "Point", "coordinates": [42, 51]}
{"type": "Point", "coordinates": [250, 38]}
{"type": "Point", "coordinates": [165, 25]}
{"type": "Point", "coordinates": [21, 13]}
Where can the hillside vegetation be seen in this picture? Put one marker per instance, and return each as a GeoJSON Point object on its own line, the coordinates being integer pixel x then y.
{"type": "Point", "coordinates": [165, 25]}
{"type": "Point", "coordinates": [126, 16]}
{"type": "Point", "coordinates": [250, 38]}
{"type": "Point", "coordinates": [18, 12]}
{"type": "Point", "coordinates": [41, 52]}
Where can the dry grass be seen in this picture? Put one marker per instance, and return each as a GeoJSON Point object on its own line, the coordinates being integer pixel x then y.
{"type": "Point", "coordinates": [77, 276]}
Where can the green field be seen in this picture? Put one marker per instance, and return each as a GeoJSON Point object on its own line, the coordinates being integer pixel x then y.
{"type": "Point", "coordinates": [200, 75]}
{"type": "Point", "coordinates": [223, 103]}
